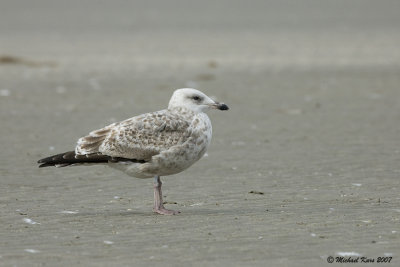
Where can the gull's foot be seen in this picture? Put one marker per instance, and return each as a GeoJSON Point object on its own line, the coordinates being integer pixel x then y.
{"type": "Point", "coordinates": [164, 211]}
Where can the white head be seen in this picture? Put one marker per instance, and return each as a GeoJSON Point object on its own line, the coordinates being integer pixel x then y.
{"type": "Point", "coordinates": [194, 100]}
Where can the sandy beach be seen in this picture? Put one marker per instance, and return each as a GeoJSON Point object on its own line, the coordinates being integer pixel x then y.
{"type": "Point", "coordinates": [304, 165]}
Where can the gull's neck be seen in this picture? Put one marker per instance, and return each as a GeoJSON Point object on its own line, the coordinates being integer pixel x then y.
{"type": "Point", "coordinates": [183, 109]}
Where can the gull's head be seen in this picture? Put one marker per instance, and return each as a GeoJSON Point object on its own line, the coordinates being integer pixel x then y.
{"type": "Point", "coordinates": [194, 100]}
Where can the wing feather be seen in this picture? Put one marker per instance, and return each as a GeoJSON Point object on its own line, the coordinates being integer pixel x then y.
{"type": "Point", "coordinates": [137, 138]}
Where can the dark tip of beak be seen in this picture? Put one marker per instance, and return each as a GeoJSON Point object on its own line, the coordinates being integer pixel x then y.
{"type": "Point", "coordinates": [222, 106]}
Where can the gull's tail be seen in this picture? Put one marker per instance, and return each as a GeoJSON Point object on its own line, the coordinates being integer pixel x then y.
{"type": "Point", "coordinates": [70, 158]}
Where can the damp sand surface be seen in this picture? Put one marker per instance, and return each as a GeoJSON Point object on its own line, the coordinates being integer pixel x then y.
{"type": "Point", "coordinates": [303, 166]}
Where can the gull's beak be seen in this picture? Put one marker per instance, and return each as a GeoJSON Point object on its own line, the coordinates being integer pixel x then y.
{"type": "Point", "coordinates": [220, 106]}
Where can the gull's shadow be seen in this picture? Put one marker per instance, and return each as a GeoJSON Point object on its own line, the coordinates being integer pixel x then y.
{"type": "Point", "coordinates": [185, 212]}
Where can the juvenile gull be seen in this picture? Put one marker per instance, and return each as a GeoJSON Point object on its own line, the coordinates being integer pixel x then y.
{"type": "Point", "coordinates": [154, 144]}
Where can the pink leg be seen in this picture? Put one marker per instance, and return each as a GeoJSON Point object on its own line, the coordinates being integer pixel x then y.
{"type": "Point", "coordinates": [158, 201]}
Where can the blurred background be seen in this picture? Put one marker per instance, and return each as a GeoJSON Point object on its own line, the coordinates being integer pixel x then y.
{"type": "Point", "coordinates": [234, 33]}
{"type": "Point", "coordinates": [304, 164]}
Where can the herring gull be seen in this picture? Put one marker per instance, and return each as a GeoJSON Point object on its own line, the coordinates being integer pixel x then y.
{"type": "Point", "coordinates": [153, 144]}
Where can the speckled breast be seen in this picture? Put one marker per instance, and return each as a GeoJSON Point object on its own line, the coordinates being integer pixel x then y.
{"type": "Point", "coordinates": [181, 157]}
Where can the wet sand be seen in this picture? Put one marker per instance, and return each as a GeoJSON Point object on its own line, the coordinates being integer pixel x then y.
{"type": "Point", "coordinates": [304, 165]}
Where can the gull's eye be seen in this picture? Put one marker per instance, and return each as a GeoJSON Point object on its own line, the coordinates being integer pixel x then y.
{"type": "Point", "coordinates": [196, 98]}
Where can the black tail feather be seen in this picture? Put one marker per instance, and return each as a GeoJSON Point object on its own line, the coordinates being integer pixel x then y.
{"type": "Point", "coordinates": [69, 158]}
